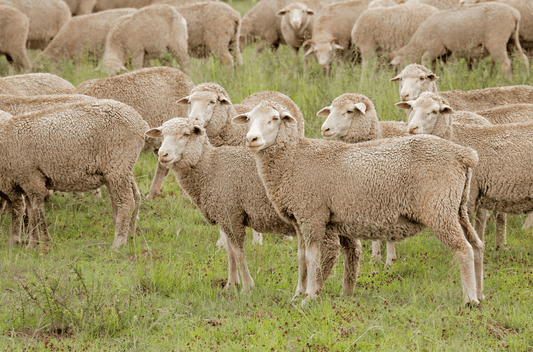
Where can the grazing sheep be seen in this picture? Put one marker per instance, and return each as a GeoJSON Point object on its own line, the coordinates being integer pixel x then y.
{"type": "Point", "coordinates": [20, 105]}
{"type": "Point", "coordinates": [153, 92]}
{"type": "Point", "coordinates": [14, 27]}
{"type": "Point", "coordinates": [332, 31]}
{"type": "Point", "coordinates": [72, 148]}
{"type": "Point", "coordinates": [296, 24]}
{"type": "Point", "coordinates": [358, 198]}
{"type": "Point", "coordinates": [146, 34]}
{"type": "Point", "coordinates": [502, 180]}
{"type": "Point", "coordinates": [472, 32]}
{"type": "Point", "coordinates": [80, 7]}
{"type": "Point", "coordinates": [213, 27]}
{"type": "Point", "coordinates": [35, 84]}
{"type": "Point", "coordinates": [388, 28]}
{"type": "Point", "coordinates": [46, 19]}
{"type": "Point", "coordinates": [81, 33]}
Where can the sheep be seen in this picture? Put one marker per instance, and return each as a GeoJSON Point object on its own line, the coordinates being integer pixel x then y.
{"type": "Point", "coordinates": [46, 19]}
{"type": "Point", "coordinates": [501, 181]}
{"type": "Point", "coordinates": [153, 92]}
{"type": "Point", "coordinates": [35, 84]}
{"type": "Point", "coordinates": [213, 27]}
{"type": "Point", "coordinates": [388, 28]}
{"type": "Point", "coordinates": [80, 7]}
{"type": "Point", "coordinates": [358, 198]}
{"type": "Point", "coordinates": [332, 31]}
{"type": "Point", "coordinates": [352, 118]}
{"type": "Point", "coordinates": [72, 147]}
{"type": "Point", "coordinates": [296, 24]}
{"type": "Point", "coordinates": [102, 5]}
{"type": "Point", "coordinates": [471, 32]}
{"type": "Point", "coordinates": [14, 27]}
{"type": "Point", "coordinates": [440, 4]}
{"type": "Point", "coordinates": [510, 113]}
{"type": "Point", "coordinates": [88, 32]}
{"type": "Point", "coordinates": [146, 34]}
{"type": "Point", "coordinates": [381, 3]}
{"type": "Point", "coordinates": [20, 105]}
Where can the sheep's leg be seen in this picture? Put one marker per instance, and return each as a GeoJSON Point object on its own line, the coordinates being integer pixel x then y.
{"type": "Point", "coordinates": [137, 205]}
{"type": "Point", "coordinates": [352, 251]}
{"type": "Point", "coordinates": [157, 183]}
{"type": "Point", "coordinates": [257, 237]}
{"type": "Point", "coordinates": [237, 242]}
{"type": "Point", "coordinates": [294, 51]}
{"type": "Point", "coordinates": [16, 208]}
{"type": "Point", "coordinates": [315, 234]}
{"type": "Point", "coordinates": [222, 51]}
{"type": "Point", "coordinates": [376, 251]}
{"type": "Point", "coordinates": [97, 193]}
{"type": "Point", "coordinates": [329, 254]}
{"type": "Point", "coordinates": [233, 273]}
{"type": "Point", "coordinates": [481, 220]}
{"type": "Point", "coordinates": [477, 247]}
{"type": "Point", "coordinates": [137, 60]}
{"type": "Point", "coordinates": [528, 222]}
{"type": "Point", "coordinates": [302, 268]}
{"type": "Point", "coordinates": [437, 50]}
{"type": "Point", "coordinates": [501, 229]}
{"type": "Point", "coordinates": [391, 254]}
{"type": "Point", "coordinates": [121, 193]}
{"type": "Point", "coordinates": [222, 240]}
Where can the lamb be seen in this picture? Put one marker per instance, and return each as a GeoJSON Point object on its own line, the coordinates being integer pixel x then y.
{"type": "Point", "coordinates": [388, 28]}
{"type": "Point", "coordinates": [46, 19]}
{"type": "Point", "coordinates": [74, 147]}
{"type": "Point", "coordinates": [81, 33]}
{"type": "Point", "coordinates": [80, 7]}
{"type": "Point", "coordinates": [495, 25]}
{"type": "Point", "coordinates": [14, 27]}
{"type": "Point", "coordinates": [145, 35]}
{"type": "Point", "coordinates": [502, 179]}
{"type": "Point", "coordinates": [332, 31]}
{"type": "Point", "coordinates": [153, 93]}
{"type": "Point", "coordinates": [296, 24]}
{"type": "Point", "coordinates": [345, 191]}
{"type": "Point", "coordinates": [35, 84]}
{"type": "Point", "coordinates": [213, 27]}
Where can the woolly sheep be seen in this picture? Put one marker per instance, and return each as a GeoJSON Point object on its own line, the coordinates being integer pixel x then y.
{"type": "Point", "coordinates": [81, 33]}
{"type": "Point", "coordinates": [224, 184]}
{"type": "Point", "coordinates": [146, 34]}
{"type": "Point", "coordinates": [381, 3]}
{"type": "Point", "coordinates": [102, 5]}
{"type": "Point", "coordinates": [74, 147]}
{"type": "Point", "coordinates": [80, 7]}
{"type": "Point", "coordinates": [332, 31]}
{"type": "Point", "coordinates": [509, 113]}
{"type": "Point", "coordinates": [502, 179]}
{"type": "Point", "coordinates": [296, 24]}
{"type": "Point", "coordinates": [440, 4]}
{"type": "Point", "coordinates": [46, 19]}
{"type": "Point", "coordinates": [35, 84]}
{"type": "Point", "coordinates": [471, 32]}
{"type": "Point", "coordinates": [356, 197]}
{"type": "Point", "coordinates": [14, 27]}
{"type": "Point", "coordinates": [388, 28]}
{"type": "Point", "coordinates": [20, 105]}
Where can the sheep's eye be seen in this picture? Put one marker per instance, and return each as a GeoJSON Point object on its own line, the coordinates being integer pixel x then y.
{"type": "Point", "coordinates": [213, 101]}
{"type": "Point", "coordinates": [434, 112]}
{"type": "Point", "coordinates": [349, 112]}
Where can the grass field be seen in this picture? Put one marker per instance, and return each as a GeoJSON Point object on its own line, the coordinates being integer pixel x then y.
{"type": "Point", "coordinates": [164, 290]}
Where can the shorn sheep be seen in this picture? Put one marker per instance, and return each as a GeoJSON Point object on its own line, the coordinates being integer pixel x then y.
{"type": "Point", "coordinates": [153, 93]}
{"type": "Point", "coordinates": [472, 32]}
{"type": "Point", "coordinates": [81, 33]}
{"type": "Point", "coordinates": [146, 34]}
{"type": "Point", "coordinates": [347, 192]}
{"type": "Point", "coordinates": [72, 148]}
{"type": "Point", "coordinates": [14, 27]}
{"type": "Point", "coordinates": [35, 84]}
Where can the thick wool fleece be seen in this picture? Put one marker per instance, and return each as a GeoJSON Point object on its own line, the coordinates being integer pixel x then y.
{"type": "Point", "coordinates": [35, 84]}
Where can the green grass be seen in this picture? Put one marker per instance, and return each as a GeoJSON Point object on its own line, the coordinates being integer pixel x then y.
{"type": "Point", "coordinates": [164, 290]}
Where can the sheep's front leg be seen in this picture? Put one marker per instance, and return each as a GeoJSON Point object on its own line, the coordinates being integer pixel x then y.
{"type": "Point", "coordinates": [529, 222]}
{"type": "Point", "coordinates": [376, 251]}
{"type": "Point", "coordinates": [391, 254]}
{"type": "Point", "coordinates": [314, 235]}
{"type": "Point", "coordinates": [302, 268]}
{"type": "Point", "coordinates": [352, 251]}
{"type": "Point", "coordinates": [236, 241]}
{"type": "Point", "coordinates": [233, 273]}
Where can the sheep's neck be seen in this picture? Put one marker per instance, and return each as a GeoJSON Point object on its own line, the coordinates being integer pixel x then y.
{"type": "Point", "coordinates": [355, 136]}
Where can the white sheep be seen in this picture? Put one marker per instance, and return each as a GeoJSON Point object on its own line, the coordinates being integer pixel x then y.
{"type": "Point", "coordinates": [14, 27]}
{"type": "Point", "coordinates": [349, 193]}
{"type": "Point", "coordinates": [35, 84]}
{"type": "Point", "coordinates": [146, 34]}
{"type": "Point", "coordinates": [103, 5]}
{"type": "Point", "coordinates": [20, 105]}
{"type": "Point", "coordinates": [80, 7]}
{"type": "Point", "coordinates": [296, 24]}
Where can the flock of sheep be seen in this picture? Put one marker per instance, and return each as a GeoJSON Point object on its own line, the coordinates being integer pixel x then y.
{"type": "Point", "coordinates": [249, 165]}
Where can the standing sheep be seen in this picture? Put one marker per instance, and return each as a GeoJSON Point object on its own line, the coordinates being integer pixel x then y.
{"type": "Point", "coordinates": [72, 148]}
{"type": "Point", "coordinates": [88, 32]}
{"type": "Point", "coordinates": [153, 93]}
{"type": "Point", "coordinates": [146, 34]}
{"type": "Point", "coordinates": [80, 7]}
{"type": "Point", "coordinates": [14, 27]}
{"type": "Point", "coordinates": [388, 28]}
{"type": "Point", "coordinates": [35, 84]}
{"type": "Point", "coordinates": [472, 32]}
{"type": "Point", "coordinates": [355, 196]}
{"type": "Point", "coordinates": [296, 24]}
{"type": "Point", "coordinates": [46, 19]}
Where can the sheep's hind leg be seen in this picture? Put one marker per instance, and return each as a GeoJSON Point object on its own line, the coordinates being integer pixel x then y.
{"type": "Point", "coordinates": [302, 268]}
{"type": "Point", "coordinates": [137, 205]}
{"type": "Point", "coordinates": [501, 229]}
{"type": "Point", "coordinates": [352, 251]}
{"type": "Point", "coordinates": [529, 222]}
{"type": "Point", "coordinates": [233, 273]}
{"type": "Point", "coordinates": [16, 208]}
{"type": "Point", "coordinates": [391, 254]}
{"type": "Point", "coordinates": [121, 194]}
{"type": "Point", "coordinates": [237, 242]}
{"type": "Point", "coordinates": [376, 251]}
{"type": "Point", "coordinates": [329, 254]}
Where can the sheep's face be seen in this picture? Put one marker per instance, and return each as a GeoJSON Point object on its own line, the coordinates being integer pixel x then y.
{"type": "Point", "coordinates": [415, 83]}
{"type": "Point", "coordinates": [298, 14]}
{"type": "Point", "coordinates": [264, 123]}
{"type": "Point", "coordinates": [339, 118]}
{"type": "Point", "coordinates": [427, 111]}
{"type": "Point", "coordinates": [201, 106]}
{"type": "Point", "coordinates": [323, 51]}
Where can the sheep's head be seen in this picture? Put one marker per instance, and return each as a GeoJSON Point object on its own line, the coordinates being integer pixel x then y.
{"type": "Point", "coordinates": [431, 115]}
{"type": "Point", "coordinates": [268, 123]}
{"type": "Point", "coordinates": [323, 50]}
{"type": "Point", "coordinates": [298, 14]}
{"type": "Point", "coordinates": [345, 110]}
{"type": "Point", "coordinates": [182, 142]}
{"type": "Point", "coordinates": [414, 80]}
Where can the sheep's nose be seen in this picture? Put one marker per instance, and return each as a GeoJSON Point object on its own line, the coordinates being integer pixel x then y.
{"type": "Point", "coordinates": [253, 139]}
{"type": "Point", "coordinates": [327, 129]}
{"type": "Point", "coordinates": [405, 96]}
{"type": "Point", "coordinates": [162, 154]}
{"type": "Point", "coordinates": [413, 130]}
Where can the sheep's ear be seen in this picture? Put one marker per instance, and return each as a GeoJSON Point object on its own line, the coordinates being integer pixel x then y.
{"type": "Point", "coordinates": [361, 107]}
{"type": "Point", "coordinates": [310, 51]}
{"type": "Point", "coordinates": [396, 61]}
{"type": "Point", "coordinates": [287, 117]}
{"type": "Point", "coordinates": [446, 109]}
{"type": "Point", "coordinates": [324, 112]}
{"type": "Point", "coordinates": [154, 132]}
{"type": "Point", "coordinates": [184, 101]}
{"type": "Point", "coordinates": [224, 100]}
{"type": "Point", "coordinates": [337, 46]}
{"type": "Point", "coordinates": [433, 77]}
{"type": "Point", "coordinates": [240, 119]}
{"type": "Point", "coordinates": [197, 130]}
{"type": "Point", "coordinates": [406, 105]}
{"type": "Point", "coordinates": [397, 78]}
{"type": "Point", "coordinates": [310, 12]}
{"type": "Point", "coordinates": [281, 12]}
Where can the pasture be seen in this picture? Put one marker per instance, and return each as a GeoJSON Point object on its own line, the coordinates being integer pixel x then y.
{"type": "Point", "coordinates": [164, 290]}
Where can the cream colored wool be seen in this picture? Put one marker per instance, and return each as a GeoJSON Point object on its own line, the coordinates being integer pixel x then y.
{"type": "Point", "coordinates": [388, 28]}
{"type": "Point", "coordinates": [102, 5]}
{"type": "Point", "coordinates": [471, 32]}
{"type": "Point", "coordinates": [381, 3]}
{"type": "Point", "coordinates": [146, 34]}
{"type": "Point", "coordinates": [81, 33]}
{"type": "Point", "coordinates": [80, 7]}
{"type": "Point", "coordinates": [509, 113]}
{"type": "Point", "coordinates": [17, 105]}
{"type": "Point", "coordinates": [482, 99]}
{"type": "Point", "coordinates": [46, 19]}
{"type": "Point", "coordinates": [35, 84]}
{"type": "Point", "coordinates": [14, 27]}
{"type": "Point", "coordinates": [440, 4]}
{"type": "Point", "coordinates": [351, 194]}
{"type": "Point", "coordinates": [72, 148]}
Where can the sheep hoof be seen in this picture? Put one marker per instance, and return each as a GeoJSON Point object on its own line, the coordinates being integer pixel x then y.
{"type": "Point", "coordinates": [472, 304]}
